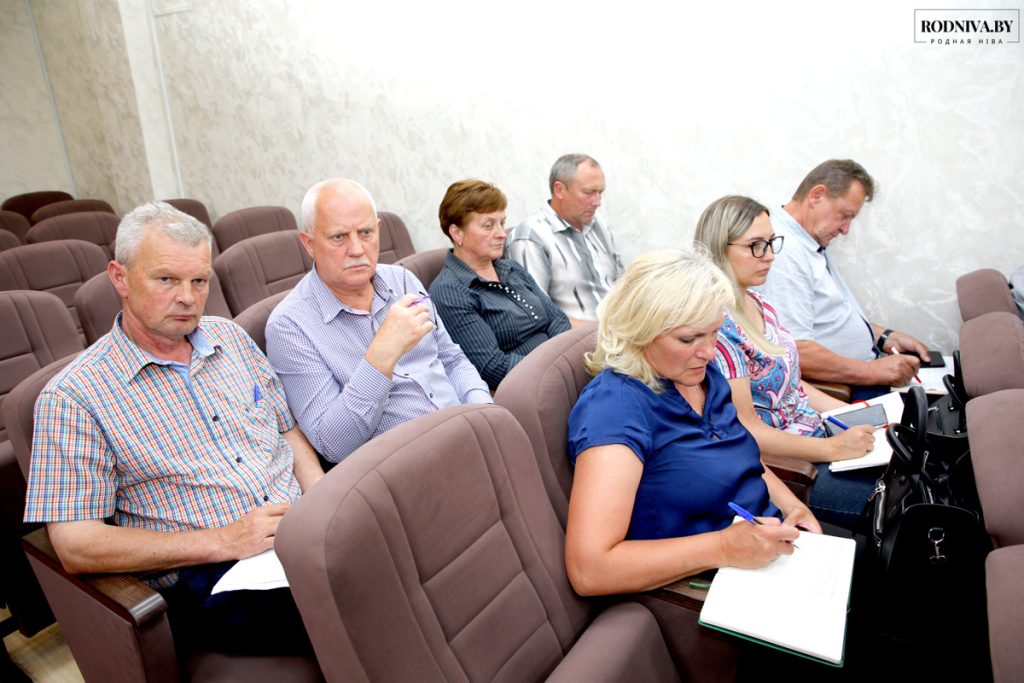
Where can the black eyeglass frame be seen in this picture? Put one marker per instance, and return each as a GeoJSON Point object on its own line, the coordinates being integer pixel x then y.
{"type": "Point", "coordinates": [775, 244]}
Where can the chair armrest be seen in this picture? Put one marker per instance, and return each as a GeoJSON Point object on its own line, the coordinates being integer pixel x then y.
{"type": "Point", "coordinates": [798, 475]}
{"type": "Point", "coordinates": [833, 389]}
{"type": "Point", "coordinates": [115, 625]}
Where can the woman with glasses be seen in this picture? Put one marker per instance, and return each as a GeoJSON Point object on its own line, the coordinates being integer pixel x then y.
{"type": "Point", "coordinates": [758, 356]}
{"type": "Point", "coordinates": [491, 306]}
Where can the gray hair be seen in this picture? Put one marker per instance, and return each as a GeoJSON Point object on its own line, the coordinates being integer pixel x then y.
{"type": "Point", "coordinates": [659, 291]}
{"type": "Point", "coordinates": [564, 169]}
{"type": "Point", "coordinates": [312, 198]}
{"type": "Point", "coordinates": [837, 175]}
{"type": "Point", "coordinates": [178, 225]}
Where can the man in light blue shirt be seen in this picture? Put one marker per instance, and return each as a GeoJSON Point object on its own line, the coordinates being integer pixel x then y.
{"type": "Point", "coordinates": [835, 339]}
{"type": "Point", "coordinates": [357, 345]}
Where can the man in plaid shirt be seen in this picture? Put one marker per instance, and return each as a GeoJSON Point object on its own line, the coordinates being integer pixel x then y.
{"type": "Point", "coordinates": [167, 449]}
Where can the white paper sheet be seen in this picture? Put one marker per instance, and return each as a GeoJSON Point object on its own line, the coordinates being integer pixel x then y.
{"type": "Point", "coordinates": [257, 573]}
{"type": "Point", "coordinates": [881, 453]}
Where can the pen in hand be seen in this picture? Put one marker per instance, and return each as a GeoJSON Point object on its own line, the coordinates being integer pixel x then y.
{"type": "Point", "coordinates": [749, 517]}
{"type": "Point", "coordinates": [895, 351]}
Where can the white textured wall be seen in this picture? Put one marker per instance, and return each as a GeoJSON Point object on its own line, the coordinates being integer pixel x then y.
{"type": "Point", "coordinates": [31, 156]}
{"type": "Point", "coordinates": [681, 105]}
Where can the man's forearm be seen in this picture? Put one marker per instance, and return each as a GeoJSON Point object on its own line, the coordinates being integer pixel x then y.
{"type": "Point", "coordinates": [817, 362]}
{"type": "Point", "coordinates": [305, 462]}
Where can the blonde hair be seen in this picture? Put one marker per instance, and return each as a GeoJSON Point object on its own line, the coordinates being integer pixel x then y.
{"type": "Point", "coordinates": [660, 291]}
{"type": "Point", "coordinates": [727, 220]}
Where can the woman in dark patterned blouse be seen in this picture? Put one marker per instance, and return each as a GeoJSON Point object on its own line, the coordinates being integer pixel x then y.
{"type": "Point", "coordinates": [491, 306]}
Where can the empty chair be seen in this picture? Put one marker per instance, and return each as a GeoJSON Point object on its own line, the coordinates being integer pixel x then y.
{"type": "Point", "coordinates": [993, 422]}
{"type": "Point", "coordinates": [395, 242]}
{"type": "Point", "coordinates": [983, 291]}
{"type": "Point", "coordinates": [98, 227]}
{"type": "Point", "coordinates": [255, 268]}
{"type": "Point", "coordinates": [98, 303]}
{"type": "Point", "coordinates": [58, 267]}
{"type": "Point", "coordinates": [15, 223]}
{"type": "Point", "coordinates": [256, 220]}
{"type": "Point", "coordinates": [432, 554]}
{"type": "Point", "coordinates": [1005, 597]}
{"type": "Point", "coordinates": [254, 318]}
{"type": "Point", "coordinates": [992, 353]}
{"type": "Point", "coordinates": [27, 204]}
{"type": "Point", "coordinates": [69, 206]}
{"type": "Point", "coordinates": [425, 265]}
{"type": "Point", "coordinates": [8, 240]}
{"type": "Point", "coordinates": [116, 625]}
{"type": "Point", "coordinates": [37, 331]}
{"type": "Point", "coordinates": [193, 207]}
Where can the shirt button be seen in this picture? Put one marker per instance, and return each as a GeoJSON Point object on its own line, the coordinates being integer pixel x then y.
{"type": "Point", "coordinates": [431, 395]}
{"type": "Point", "coordinates": [266, 499]}
{"type": "Point", "coordinates": [239, 459]}
{"type": "Point", "coordinates": [216, 417]}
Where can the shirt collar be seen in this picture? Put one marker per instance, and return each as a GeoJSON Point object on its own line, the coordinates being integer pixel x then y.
{"type": "Point", "coordinates": [802, 237]}
{"type": "Point", "coordinates": [461, 271]}
{"type": "Point", "coordinates": [561, 225]}
{"type": "Point", "coordinates": [131, 359]}
{"type": "Point", "coordinates": [331, 306]}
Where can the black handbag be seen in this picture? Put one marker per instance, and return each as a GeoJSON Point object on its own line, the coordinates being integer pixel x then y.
{"type": "Point", "coordinates": [926, 519]}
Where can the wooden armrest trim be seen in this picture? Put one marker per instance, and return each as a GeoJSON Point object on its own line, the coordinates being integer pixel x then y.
{"type": "Point", "coordinates": [124, 594]}
{"type": "Point", "coordinates": [834, 389]}
{"type": "Point", "coordinates": [791, 469]}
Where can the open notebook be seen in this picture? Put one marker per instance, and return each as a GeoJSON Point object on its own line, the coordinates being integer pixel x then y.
{"type": "Point", "coordinates": [881, 453]}
{"type": "Point", "coordinates": [798, 603]}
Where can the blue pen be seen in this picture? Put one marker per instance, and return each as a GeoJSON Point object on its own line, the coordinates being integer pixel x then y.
{"type": "Point", "coordinates": [257, 395]}
{"type": "Point", "coordinates": [749, 517]}
{"type": "Point", "coordinates": [836, 422]}
{"type": "Point", "coordinates": [419, 300]}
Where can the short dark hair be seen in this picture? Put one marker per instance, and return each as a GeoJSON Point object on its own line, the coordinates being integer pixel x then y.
{"type": "Point", "coordinates": [465, 197]}
{"type": "Point", "coordinates": [837, 175]}
{"type": "Point", "coordinates": [565, 167]}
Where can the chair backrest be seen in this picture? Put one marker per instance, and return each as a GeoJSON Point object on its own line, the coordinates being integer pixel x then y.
{"type": "Point", "coordinates": [37, 330]}
{"type": "Point", "coordinates": [992, 353]}
{"type": "Point", "coordinates": [255, 268]}
{"type": "Point", "coordinates": [98, 227]}
{"type": "Point", "coordinates": [255, 220]}
{"type": "Point", "coordinates": [27, 203]}
{"type": "Point", "coordinates": [15, 223]}
{"type": "Point", "coordinates": [541, 391]}
{"type": "Point", "coordinates": [193, 207]}
{"type": "Point", "coordinates": [98, 303]}
{"type": "Point", "coordinates": [8, 240]}
{"type": "Point", "coordinates": [58, 267]}
{"type": "Point", "coordinates": [425, 265]}
{"type": "Point", "coordinates": [69, 206]}
{"type": "Point", "coordinates": [395, 242]}
{"type": "Point", "coordinates": [254, 318]}
{"type": "Point", "coordinates": [438, 534]}
{"type": "Point", "coordinates": [997, 454]}
{"type": "Point", "coordinates": [18, 410]}
{"type": "Point", "coordinates": [983, 291]}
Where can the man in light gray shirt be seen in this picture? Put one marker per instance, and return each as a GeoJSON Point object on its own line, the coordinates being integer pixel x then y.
{"type": "Point", "coordinates": [565, 245]}
{"type": "Point", "coordinates": [835, 339]}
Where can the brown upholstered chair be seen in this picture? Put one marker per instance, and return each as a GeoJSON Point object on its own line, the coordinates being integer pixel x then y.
{"type": "Point", "coordinates": [59, 267]}
{"type": "Point", "coordinates": [8, 240]}
{"type": "Point", "coordinates": [541, 391]}
{"type": "Point", "coordinates": [37, 329]}
{"type": "Point", "coordinates": [254, 318]}
{"type": "Point", "coordinates": [425, 265]}
{"type": "Point", "coordinates": [395, 242]}
{"type": "Point", "coordinates": [27, 203]}
{"type": "Point", "coordinates": [15, 223]}
{"type": "Point", "coordinates": [69, 206]}
{"type": "Point", "coordinates": [116, 625]}
{"type": "Point", "coordinates": [432, 554]}
{"type": "Point", "coordinates": [1005, 594]}
{"type": "Point", "coordinates": [245, 223]}
{"type": "Point", "coordinates": [983, 291]}
{"type": "Point", "coordinates": [98, 227]}
{"type": "Point", "coordinates": [992, 353]}
{"type": "Point", "coordinates": [193, 207]}
{"type": "Point", "coordinates": [255, 268]}
{"type": "Point", "coordinates": [98, 303]}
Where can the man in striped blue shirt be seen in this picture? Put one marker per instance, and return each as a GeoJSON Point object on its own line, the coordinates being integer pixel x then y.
{"type": "Point", "coordinates": [357, 345]}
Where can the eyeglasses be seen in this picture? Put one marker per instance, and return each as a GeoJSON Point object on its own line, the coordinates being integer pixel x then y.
{"type": "Point", "coordinates": [758, 248]}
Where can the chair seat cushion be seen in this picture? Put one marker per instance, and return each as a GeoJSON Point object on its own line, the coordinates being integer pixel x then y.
{"type": "Point", "coordinates": [624, 643]}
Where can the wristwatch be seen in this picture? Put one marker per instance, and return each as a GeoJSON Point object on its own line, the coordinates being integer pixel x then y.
{"type": "Point", "coordinates": [882, 338]}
